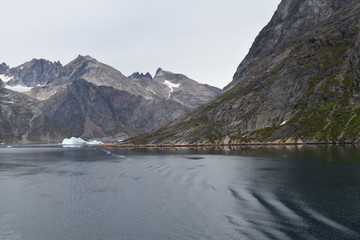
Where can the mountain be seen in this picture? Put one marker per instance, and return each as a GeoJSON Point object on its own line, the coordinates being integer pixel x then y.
{"type": "Point", "coordinates": [3, 68]}
{"type": "Point", "coordinates": [298, 83]}
{"type": "Point", "coordinates": [85, 98]}
{"type": "Point", "coordinates": [139, 76]}
{"type": "Point", "coordinates": [17, 112]}
{"type": "Point", "coordinates": [89, 69]}
{"type": "Point", "coordinates": [89, 111]}
{"type": "Point", "coordinates": [33, 73]}
{"type": "Point", "coordinates": [182, 89]}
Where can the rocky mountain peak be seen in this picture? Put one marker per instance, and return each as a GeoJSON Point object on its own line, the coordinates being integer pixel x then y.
{"type": "Point", "coordinates": [35, 63]}
{"type": "Point", "coordinates": [3, 68]}
{"type": "Point", "coordinates": [33, 73]}
{"type": "Point", "coordinates": [138, 75]}
{"type": "Point", "coordinates": [85, 58]}
{"type": "Point", "coordinates": [162, 75]}
{"type": "Point", "coordinates": [159, 72]}
{"type": "Point", "coordinates": [82, 61]}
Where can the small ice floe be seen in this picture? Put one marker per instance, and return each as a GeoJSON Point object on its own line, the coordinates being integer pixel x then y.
{"type": "Point", "coordinates": [79, 141]}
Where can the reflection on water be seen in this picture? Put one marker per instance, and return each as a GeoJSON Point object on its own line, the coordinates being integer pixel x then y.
{"type": "Point", "coordinates": [326, 153]}
{"type": "Point", "coordinates": [50, 192]}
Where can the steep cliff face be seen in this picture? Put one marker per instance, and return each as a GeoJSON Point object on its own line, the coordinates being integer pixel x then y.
{"type": "Point", "coordinates": [299, 83]}
{"type": "Point", "coordinates": [17, 113]}
{"type": "Point", "coordinates": [292, 19]}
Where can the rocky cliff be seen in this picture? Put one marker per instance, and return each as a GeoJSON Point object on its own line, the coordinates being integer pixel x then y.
{"type": "Point", "coordinates": [37, 72]}
{"type": "Point", "coordinates": [3, 68]}
{"type": "Point", "coordinates": [17, 113]}
{"type": "Point", "coordinates": [298, 83]}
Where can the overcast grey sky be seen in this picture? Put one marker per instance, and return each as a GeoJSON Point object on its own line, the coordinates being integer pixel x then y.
{"type": "Point", "coordinates": [203, 39]}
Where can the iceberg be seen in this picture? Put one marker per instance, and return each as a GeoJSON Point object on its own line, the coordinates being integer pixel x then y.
{"type": "Point", "coordinates": [73, 141]}
{"type": "Point", "coordinates": [95, 143]}
{"type": "Point", "coordinates": [79, 141]}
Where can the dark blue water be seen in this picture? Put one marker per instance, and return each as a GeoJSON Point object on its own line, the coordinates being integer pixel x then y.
{"type": "Point", "coordinates": [50, 192]}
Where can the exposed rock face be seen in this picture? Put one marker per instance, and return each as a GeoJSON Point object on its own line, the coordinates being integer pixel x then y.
{"type": "Point", "coordinates": [86, 99]}
{"type": "Point", "coordinates": [17, 113]}
{"type": "Point", "coordinates": [138, 75]}
{"type": "Point", "coordinates": [89, 111]}
{"type": "Point", "coordinates": [291, 20]}
{"type": "Point", "coordinates": [3, 68]}
{"type": "Point", "coordinates": [89, 69]}
{"type": "Point", "coordinates": [298, 83]}
{"type": "Point", "coordinates": [182, 89]}
{"type": "Point", "coordinates": [33, 73]}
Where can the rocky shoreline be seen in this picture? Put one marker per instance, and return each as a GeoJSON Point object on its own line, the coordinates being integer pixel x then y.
{"type": "Point", "coordinates": [206, 145]}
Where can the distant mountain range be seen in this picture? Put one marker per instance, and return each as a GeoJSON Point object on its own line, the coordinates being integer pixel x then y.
{"type": "Point", "coordinates": [299, 83]}
{"type": "Point", "coordinates": [43, 101]}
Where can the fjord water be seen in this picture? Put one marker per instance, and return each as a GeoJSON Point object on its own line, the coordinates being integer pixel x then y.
{"type": "Point", "coordinates": [51, 192]}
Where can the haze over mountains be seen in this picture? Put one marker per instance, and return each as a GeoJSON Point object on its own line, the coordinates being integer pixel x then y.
{"type": "Point", "coordinates": [43, 101]}
{"type": "Point", "coordinates": [300, 82]}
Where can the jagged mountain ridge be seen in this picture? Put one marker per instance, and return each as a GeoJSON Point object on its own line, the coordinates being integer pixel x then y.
{"type": "Point", "coordinates": [3, 68]}
{"type": "Point", "coordinates": [138, 75]}
{"type": "Point", "coordinates": [37, 72]}
{"type": "Point", "coordinates": [298, 83]}
{"type": "Point", "coordinates": [84, 98]}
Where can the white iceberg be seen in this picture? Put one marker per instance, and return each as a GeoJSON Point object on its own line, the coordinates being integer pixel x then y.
{"type": "Point", "coordinates": [95, 143]}
{"type": "Point", "coordinates": [73, 141]}
{"type": "Point", "coordinates": [79, 141]}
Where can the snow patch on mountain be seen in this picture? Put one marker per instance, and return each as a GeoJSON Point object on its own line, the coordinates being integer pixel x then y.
{"type": "Point", "coordinates": [171, 85]}
{"type": "Point", "coordinates": [18, 88]}
{"type": "Point", "coordinates": [283, 123]}
{"type": "Point", "coordinates": [5, 78]}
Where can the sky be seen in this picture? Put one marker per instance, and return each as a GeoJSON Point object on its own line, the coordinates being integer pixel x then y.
{"type": "Point", "coordinates": [203, 39]}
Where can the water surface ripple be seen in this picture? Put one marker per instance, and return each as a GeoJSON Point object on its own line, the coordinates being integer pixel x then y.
{"type": "Point", "coordinates": [51, 192]}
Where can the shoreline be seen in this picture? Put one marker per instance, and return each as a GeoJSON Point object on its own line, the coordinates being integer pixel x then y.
{"type": "Point", "coordinates": [202, 145]}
